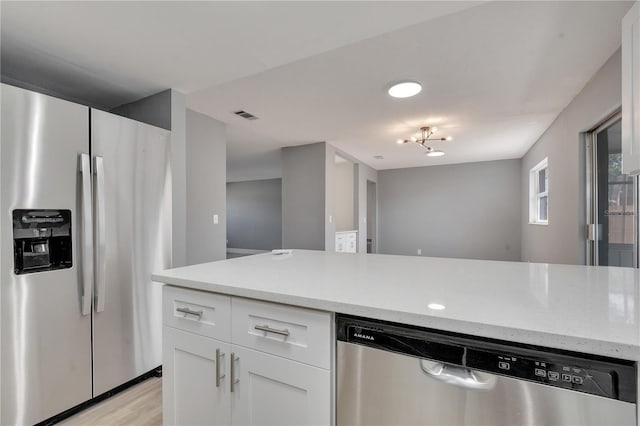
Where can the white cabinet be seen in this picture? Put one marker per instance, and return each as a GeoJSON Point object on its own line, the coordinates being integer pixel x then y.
{"type": "Point", "coordinates": [631, 91]}
{"type": "Point", "coordinates": [346, 241]}
{"type": "Point", "coordinates": [234, 361]}
{"type": "Point", "coordinates": [191, 393]}
{"type": "Point", "coordinates": [271, 390]}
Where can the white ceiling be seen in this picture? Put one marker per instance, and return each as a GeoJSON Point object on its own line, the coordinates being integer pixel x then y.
{"type": "Point", "coordinates": [109, 53]}
{"type": "Point", "coordinates": [495, 75]}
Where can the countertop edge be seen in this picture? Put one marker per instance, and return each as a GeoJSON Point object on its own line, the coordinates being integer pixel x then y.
{"type": "Point", "coordinates": [532, 337]}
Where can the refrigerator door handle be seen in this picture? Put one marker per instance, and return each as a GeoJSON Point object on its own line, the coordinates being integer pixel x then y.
{"type": "Point", "coordinates": [100, 257]}
{"type": "Point", "coordinates": [87, 233]}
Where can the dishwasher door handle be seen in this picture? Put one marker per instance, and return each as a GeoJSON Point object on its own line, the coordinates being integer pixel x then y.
{"type": "Point", "coordinates": [457, 376]}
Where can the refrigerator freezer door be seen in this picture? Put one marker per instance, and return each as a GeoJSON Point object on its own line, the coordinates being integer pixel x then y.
{"type": "Point", "coordinates": [132, 206]}
{"type": "Point", "coordinates": [46, 341]}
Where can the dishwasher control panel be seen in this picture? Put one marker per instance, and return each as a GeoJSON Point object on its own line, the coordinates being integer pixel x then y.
{"type": "Point", "coordinates": [601, 376]}
{"type": "Point", "coordinates": [575, 376]}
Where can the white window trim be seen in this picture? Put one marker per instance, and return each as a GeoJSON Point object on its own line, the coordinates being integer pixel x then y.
{"type": "Point", "coordinates": [534, 195]}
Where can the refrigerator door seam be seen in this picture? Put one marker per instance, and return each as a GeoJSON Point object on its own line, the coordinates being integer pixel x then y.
{"type": "Point", "coordinates": [100, 257]}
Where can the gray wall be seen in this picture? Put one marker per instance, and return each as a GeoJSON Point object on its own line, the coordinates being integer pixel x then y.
{"type": "Point", "coordinates": [254, 214]}
{"type": "Point", "coordinates": [364, 174]}
{"type": "Point", "coordinates": [467, 210]}
{"type": "Point", "coordinates": [179, 177]}
{"type": "Point", "coordinates": [167, 110]}
{"type": "Point", "coordinates": [343, 186]}
{"type": "Point", "coordinates": [329, 197]}
{"type": "Point", "coordinates": [562, 240]}
{"type": "Point", "coordinates": [154, 110]}
{"type": "Point", "coordinates": [361, 173]}
{"type": "Point", "coordinates": [206, 148]}
{"type": "Point", "coordinates": [309, 199]}
{"type": "Point", "coordinates": [372, 215]}
{"type": "Point", "coordinates": [303, 196]}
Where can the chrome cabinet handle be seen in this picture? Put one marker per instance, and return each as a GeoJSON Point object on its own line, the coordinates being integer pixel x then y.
{"type": "Point", "coordinates": [87, 234]}
{"type": "Point", "coordinates": [457, 376]}
{"type": "Point", "coordinates": [268, 329]}
{"type": "Point", "coordinates": [101, 246]}
{"type": "Point", "coordinates": [188, 311]}
{"type": "Point", "coordinates": [233, 381]}
{"type": "Point", "coordinates": [218, 376]}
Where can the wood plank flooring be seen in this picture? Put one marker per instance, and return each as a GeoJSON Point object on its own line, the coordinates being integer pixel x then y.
{"type": "Point", "coordinates": [140, 405]}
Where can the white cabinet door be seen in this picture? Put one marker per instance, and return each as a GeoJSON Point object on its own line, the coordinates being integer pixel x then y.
{"type": "Point", "coordinates": [351, 242]}
{"type": "Point", "coordinates": [271, 390]}
{"type": "Point", "coordinates": [191, 393]}
{"type": "Point", "coordinates": [346, 241]}
{"type": "Point", "coordinates": [631, 91]}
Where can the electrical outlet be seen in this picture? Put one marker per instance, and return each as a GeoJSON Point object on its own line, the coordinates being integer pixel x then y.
{"type": "Point", "coordinates": [419, 252]}
{"type": "Point", "coordinates": [215, 219]}
{"type": "Point", "coordinates": [330, 219]}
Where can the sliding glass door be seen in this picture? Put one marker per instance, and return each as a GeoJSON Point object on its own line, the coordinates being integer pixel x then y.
{"type": "Point", "coordinates": [612, 231]}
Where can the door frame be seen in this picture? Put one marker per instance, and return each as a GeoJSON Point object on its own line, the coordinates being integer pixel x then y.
{"type": "Point", "coordinates": [374, 209]}
{"type": "Point", "coordinates": [593, 229]}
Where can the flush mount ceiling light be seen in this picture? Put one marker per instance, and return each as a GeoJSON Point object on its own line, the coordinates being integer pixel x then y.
{"type": "Point", "coordinates": [426, 136]}
{"type": "Point", "coordinates": [434, 152]}
{"type": "Point", "coordinates": [406, 89]}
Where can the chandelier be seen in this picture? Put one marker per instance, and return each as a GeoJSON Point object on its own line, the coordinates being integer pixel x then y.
{"type": "Point", "coordinates": [425, 137]}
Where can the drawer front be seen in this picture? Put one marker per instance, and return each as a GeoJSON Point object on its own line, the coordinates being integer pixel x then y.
{"type": "Point", "coordinates": [299, 334]}
{"type": "Point", "coordinates": [199, 312]}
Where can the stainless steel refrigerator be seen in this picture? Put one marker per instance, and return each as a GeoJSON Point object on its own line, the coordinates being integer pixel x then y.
{"type": "Point", "coordinates": [86, 218]}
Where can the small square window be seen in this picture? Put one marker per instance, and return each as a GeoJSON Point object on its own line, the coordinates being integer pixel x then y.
{"type": "Point", "coordinates": [539, 193]}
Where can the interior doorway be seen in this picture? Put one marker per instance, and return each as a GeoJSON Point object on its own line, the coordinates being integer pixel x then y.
{"type": "Point", "coordinates": [372, 218]}
{"type": "Point", "coordinates": [613, 201]}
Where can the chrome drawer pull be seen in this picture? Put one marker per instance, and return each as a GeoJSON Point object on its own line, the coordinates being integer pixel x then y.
{"type": "Point", "coordinates": [188, 311]}
{"type": "Point", "coordinates": [233, 382]}
{"type": "Point", "coordinates": [218, 376]}
{"type": "Point", "coordinates": [268, 329]}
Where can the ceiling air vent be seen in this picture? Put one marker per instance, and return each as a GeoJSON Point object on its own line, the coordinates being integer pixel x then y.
{"type": "Point", "coordinates": [245, 114]}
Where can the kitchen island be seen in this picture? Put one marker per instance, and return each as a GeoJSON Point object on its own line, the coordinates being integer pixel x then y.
{"type": "Point", "coordinates": [591, 310]}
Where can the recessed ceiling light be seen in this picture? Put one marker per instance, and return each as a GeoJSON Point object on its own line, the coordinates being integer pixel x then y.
{"type": "Point", "coordinates": [406, 89]}
{"type": "Point", "coordinates": [436, 153]}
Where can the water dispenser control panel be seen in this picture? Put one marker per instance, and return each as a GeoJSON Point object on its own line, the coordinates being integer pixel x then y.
{"type": "Point", "coordinates": [41, 240]}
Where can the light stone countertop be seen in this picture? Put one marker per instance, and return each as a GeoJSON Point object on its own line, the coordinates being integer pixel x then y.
{"type": "Point", "coordinates": [586, 309]}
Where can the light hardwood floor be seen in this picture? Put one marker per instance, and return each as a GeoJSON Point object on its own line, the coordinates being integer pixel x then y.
{"type": "Point", "coordinates": [140, 405]}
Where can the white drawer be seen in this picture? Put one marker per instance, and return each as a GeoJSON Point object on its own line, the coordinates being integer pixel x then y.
{"type": "Point", "coordinates": [207, 314]}
{"type": "Point", "coordinates": [305, 334]}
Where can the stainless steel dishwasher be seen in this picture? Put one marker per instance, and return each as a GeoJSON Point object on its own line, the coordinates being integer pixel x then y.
{"type": "Point", "coordinates": [390, 374]}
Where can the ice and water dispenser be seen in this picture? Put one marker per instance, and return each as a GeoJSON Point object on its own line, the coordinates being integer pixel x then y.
{"type": "Point", "coordinates": [41, 240]}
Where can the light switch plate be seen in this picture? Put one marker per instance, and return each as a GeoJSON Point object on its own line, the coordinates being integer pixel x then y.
{"type": "Point", "coordinates": [215, 219]}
